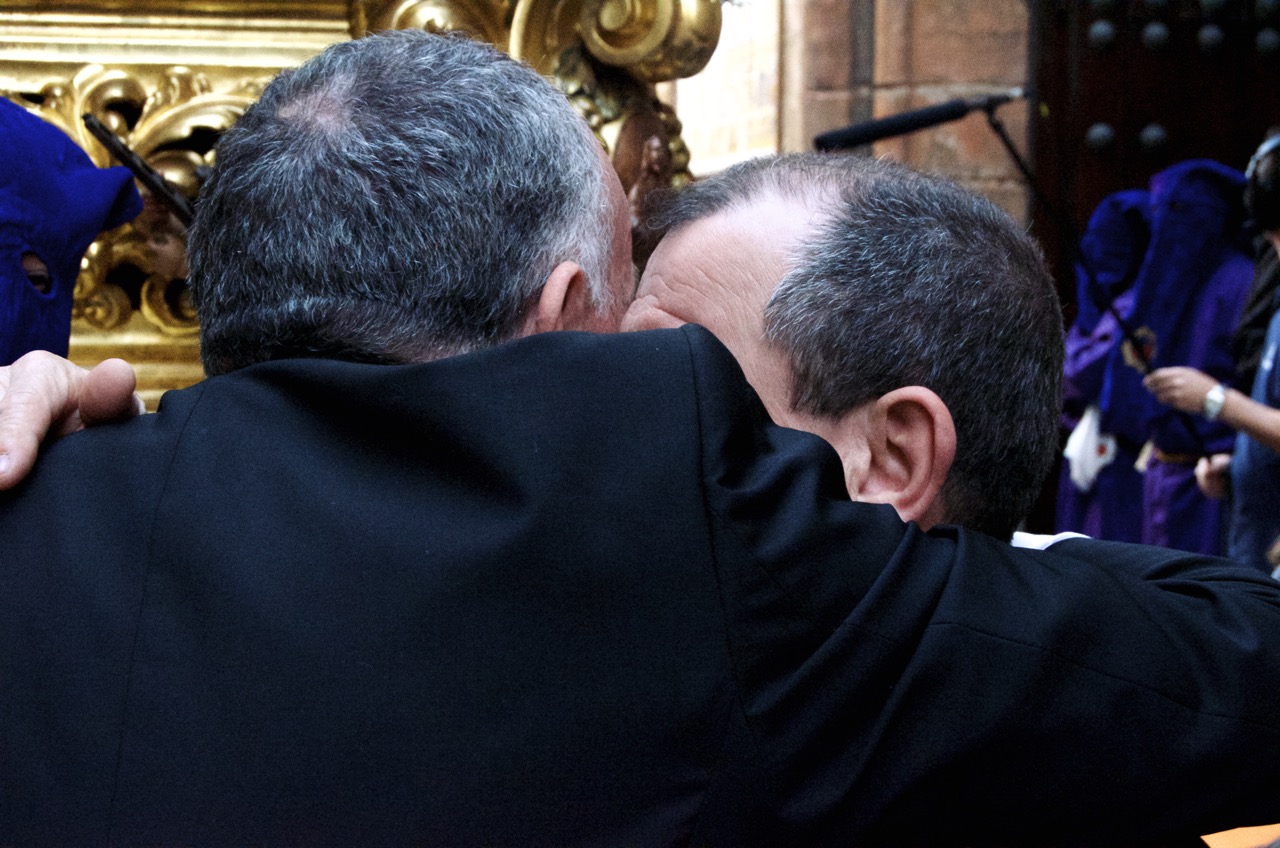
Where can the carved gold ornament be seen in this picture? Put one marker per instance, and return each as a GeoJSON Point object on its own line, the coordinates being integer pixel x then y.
{"type": "Point", "coordinates": [489, 22]}
{"type": "Point", "coordinates": [171, 120]}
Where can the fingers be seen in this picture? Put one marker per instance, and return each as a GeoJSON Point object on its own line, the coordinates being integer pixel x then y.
{"type": "Point", "coordinates": [108, 393]}
{"type": "Point", "coordinates": [1212, 475]}
{"type": "Point", "coordinates": [1155, 380]}
{"type": "Point", "coordinates": [1162, 379]}
{"type": "Point", "coordinates": [1162, 383]}
{"type": "Point", "coordinates": [24, 419]}
{"type": "Point", "coordinates": [42, 394]}
{"type": "Point", "coordinates": [37, 393]}
{"type": "Point", "coordinates": [1180, 387]}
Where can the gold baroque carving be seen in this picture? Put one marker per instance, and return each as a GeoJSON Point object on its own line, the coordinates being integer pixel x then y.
{"type": "Point", "coordinates": [656, 40]}
{"type": "Point", "coordinates": [653, 40]}
{"type": "Point", "coordinates": [140, 268]}
{"type": "Point", "coordinates": [487, 21]}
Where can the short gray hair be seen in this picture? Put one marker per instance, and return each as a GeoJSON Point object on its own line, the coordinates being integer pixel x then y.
{"type": "Point", "coordinates": [911, 280]}
{"type": "Point", "coordinates": [397, 198]}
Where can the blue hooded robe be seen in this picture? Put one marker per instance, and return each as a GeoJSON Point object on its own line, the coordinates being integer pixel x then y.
{"type": "Point", "coordinates": [53, 203]}
{"type": "Point", "coordinates": [1183, 302]}
{"type": "Point", "coordinates": [1186, 297]}
{"type": "Point", "coordinates": [1111, 253]}
{"type": "Point", "coordinates": [1191, 290]}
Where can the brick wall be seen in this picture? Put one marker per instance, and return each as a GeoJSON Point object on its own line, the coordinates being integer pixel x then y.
{"type": "Point", "coordinates": [845, 61]}
{"type": "Point", "coordinates": [787, 70]}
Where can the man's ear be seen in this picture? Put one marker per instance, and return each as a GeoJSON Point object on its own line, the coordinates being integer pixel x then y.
{"type": "Point", "coordinates": [563, 303]}
{"type": "Point", "coordinates": [911, 444]}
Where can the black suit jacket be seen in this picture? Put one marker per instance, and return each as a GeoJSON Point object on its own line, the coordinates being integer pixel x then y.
{"type": "Point", "coordinates": [577, 590]}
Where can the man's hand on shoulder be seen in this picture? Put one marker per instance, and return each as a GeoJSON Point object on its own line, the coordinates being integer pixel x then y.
{"type": "Point", "coordinates": [42, 394]}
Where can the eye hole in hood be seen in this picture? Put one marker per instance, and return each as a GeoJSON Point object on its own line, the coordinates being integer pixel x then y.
{"type": "Point", "coordinates": [37, 273]}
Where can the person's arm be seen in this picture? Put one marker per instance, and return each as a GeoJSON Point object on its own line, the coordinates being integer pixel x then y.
{"type": "Point", "coordinates": [1185, 389]}
{"type": "Point", "coordinates": [949, 688]}
{"type": "Point", "coordinates": [42, 394]}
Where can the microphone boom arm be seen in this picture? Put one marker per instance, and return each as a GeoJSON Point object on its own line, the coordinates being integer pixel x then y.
{"type": "Point", "coordinates": [906, 122]}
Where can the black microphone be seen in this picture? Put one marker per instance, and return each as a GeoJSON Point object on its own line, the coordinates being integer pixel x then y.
{"type": "Point", "coordinates": [905, 122]}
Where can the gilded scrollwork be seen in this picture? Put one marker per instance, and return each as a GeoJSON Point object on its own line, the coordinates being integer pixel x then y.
{"type": "Point", "coordinates": [109, 93]}
{"type": "Point", "coordinates": [171, 119]}
{"type": "Point", "coordinates": [487, 21]}
{"type": "Point", "coordinates": [541, 30]}
{"type": "Point", "coordinates": [100, 305]}
{"type": "Point", "coordinates": [655, 40]}
{"type": "Point", "coordinates": [652, 40]}
{"type": "Point", "coordinates": [641, 132]}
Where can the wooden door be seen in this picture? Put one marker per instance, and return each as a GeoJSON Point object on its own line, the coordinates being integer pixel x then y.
{"type": "Point", "coordinates": [1124, 88]}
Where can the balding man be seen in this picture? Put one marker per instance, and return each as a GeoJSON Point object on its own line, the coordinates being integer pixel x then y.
{"type": "Point", "coordinates": [908, 322]}
{"type": "Point", "coordinates": [410, 568]}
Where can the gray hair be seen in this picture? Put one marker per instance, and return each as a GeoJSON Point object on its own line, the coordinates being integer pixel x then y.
{"type": "Point", "coordinates": [911, 280]}
{"type": "Point", "coordinates": [397, 198]}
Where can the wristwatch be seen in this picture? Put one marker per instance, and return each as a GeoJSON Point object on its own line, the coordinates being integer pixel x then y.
{"type": "Point", "coordinates": [1213, 401]}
